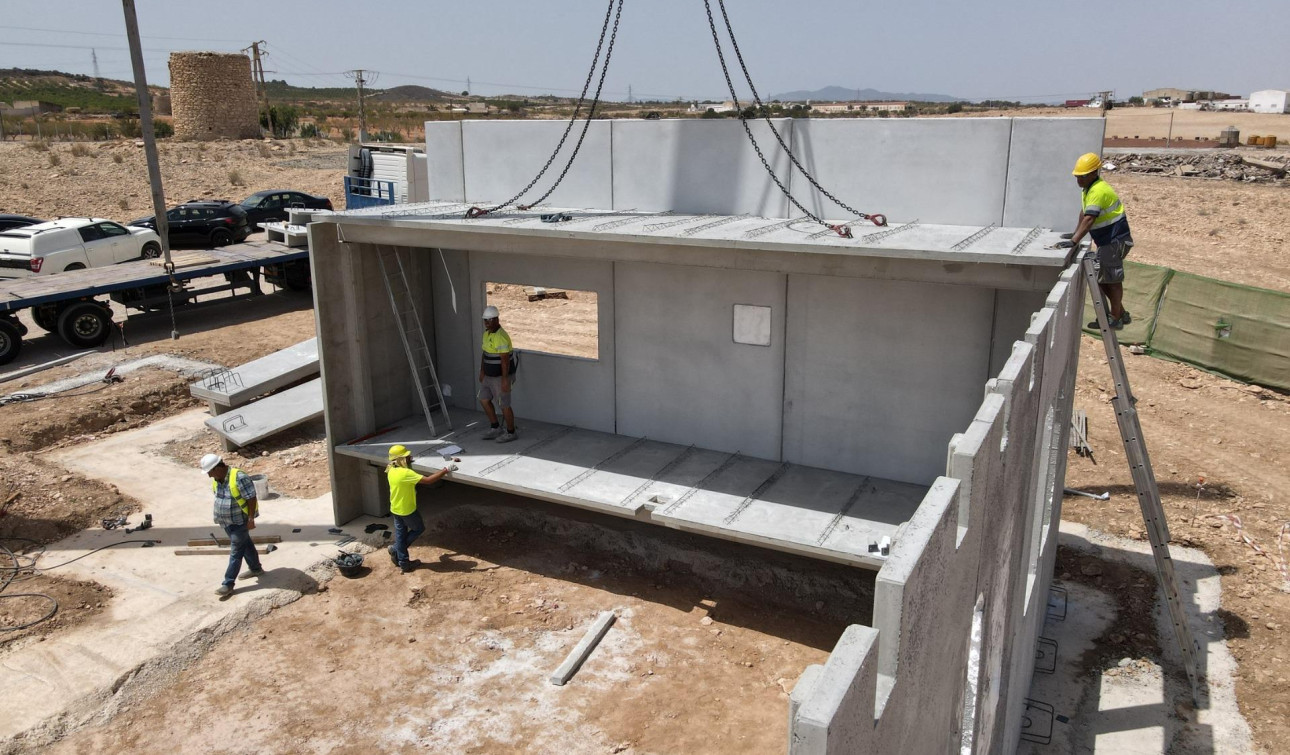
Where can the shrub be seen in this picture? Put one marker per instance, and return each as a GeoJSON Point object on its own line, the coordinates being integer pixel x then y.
{"type": "Point", "coordinates": [124, 204]}
{"type": "Point", "coordinates": [954, 107]}
{"type": "Point", "coordinates": [130, 129]}
{"type": "Point", "coordinates": [264, 150]}
{"type": "Point", "coordinates": [309, 131]}
{"type": "Point", "coordinates": [54, 159]}
{"type": "Point", "coordinates": [162, 129]}
{"type": "Point", "coordinates": [40, 145]}
{"type": "Point", "coordinates": [80, 150]}
{"type": "Point", "coordinates": [235, 178]}
{"type": "Point", "coordinates": [118, 159]}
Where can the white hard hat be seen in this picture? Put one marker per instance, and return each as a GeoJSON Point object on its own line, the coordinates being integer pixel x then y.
{"type": "Point", "coordinates": [210, 461]}
{"type": "Point", "coordinates": [490, 312]}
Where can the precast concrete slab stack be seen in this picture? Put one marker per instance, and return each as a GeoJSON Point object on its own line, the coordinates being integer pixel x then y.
{"type": "Point", "coordinates": [212, 96]}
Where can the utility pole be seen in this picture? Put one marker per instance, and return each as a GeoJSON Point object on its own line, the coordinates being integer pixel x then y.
{"type": "Point", "coordinates": [467, 86]}
{"type": "Point", "coordinates": [257, 75]}
{"type": "Point", "coordinates": [149, 140]}
{"type": "Point", "coordinates": [629, 94]}
{"type": "Point", "coordinates": [94, 58]}
{"type": "Point", "coordinates": [361, 78]}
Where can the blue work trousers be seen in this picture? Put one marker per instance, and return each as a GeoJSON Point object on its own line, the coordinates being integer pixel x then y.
{"type": "Point", "coordinates": [407, 528]}
{"type": "Point", "coordinates": [240, 547]}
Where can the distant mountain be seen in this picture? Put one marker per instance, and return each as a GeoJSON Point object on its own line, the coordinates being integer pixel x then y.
{"type": "Point", "coordinates": [411, 93]}
{"type": "Point", "coordinates": [835, 93]}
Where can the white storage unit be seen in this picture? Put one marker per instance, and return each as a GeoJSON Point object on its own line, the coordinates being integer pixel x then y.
{"type": "Point", "coordinates": [1270, 101]}
{"type": "Point", "coordinates": [402, 165]}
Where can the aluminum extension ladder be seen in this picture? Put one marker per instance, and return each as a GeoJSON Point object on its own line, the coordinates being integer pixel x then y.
{"type": "Point", "coordinates": [1144, 480]}
{"type": "Point", "coordinates": [420, 361]}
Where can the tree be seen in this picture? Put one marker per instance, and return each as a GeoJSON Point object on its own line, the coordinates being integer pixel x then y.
{"type": "Point", "coordinates": [954, 107]}
{"type": "Point", "coordinates": [1136, 101]}
{"type": "Point", "coordinates": [285, 120]}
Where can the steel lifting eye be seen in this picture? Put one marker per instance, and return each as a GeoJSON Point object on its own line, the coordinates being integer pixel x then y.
{"type": "Point", "coordinates": [878, 220]}
{"type": "Point", "coordinates": [476, 212]}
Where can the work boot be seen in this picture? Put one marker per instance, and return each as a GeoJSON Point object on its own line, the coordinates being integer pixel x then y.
{"type": "Point", "coordinates": [493, 432]}
{"type": "Point", "coordinates": [1126, 318]}
{"type": "Point", "coordinates": [410, 566]}
{"type": "Point", "coordinates": [223, 590]}
{"type": "Point", "coordinates": [506, 437]}
{"type": "Point", "coordinates": [251, 573]}
{"type": "Point", "coordinates": [393, 556]}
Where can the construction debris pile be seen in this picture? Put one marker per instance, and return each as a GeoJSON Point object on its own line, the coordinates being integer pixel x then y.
{"type": "Point", "coordinates": [1229, 165]}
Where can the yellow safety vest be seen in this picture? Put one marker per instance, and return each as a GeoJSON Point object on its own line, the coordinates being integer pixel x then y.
{"type": "Point", "coordinates": [232, 489]}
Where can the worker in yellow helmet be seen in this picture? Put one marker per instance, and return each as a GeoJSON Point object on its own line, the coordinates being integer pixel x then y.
{"type": "Point", "coordinates": [408, 525]}
{"type": "Point", "coordinates": [1103, 217]}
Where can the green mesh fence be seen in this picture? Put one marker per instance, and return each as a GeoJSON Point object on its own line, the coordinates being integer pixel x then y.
{"type": "Point", "coordinates": [1239, 331]}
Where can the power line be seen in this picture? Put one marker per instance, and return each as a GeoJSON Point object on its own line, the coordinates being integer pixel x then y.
{"type": "Point", "coordinates": [117, 34]}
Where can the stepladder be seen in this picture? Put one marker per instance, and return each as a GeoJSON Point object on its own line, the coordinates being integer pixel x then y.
{"type": "Point", "coordinates": [1144, 479]}
{"type": "Point", "coordinates": [407, 319]}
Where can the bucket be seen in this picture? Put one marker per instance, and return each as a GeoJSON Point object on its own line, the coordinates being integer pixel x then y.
{"type": "Point", "coordinates": [349, 564]}
{"type": "Point", "coordinates": [261, 486]}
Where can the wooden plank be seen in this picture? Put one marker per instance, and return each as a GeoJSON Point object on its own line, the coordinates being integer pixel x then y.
{"type": "Point", "coordinates": [211, 551]}
{"type": "Point", "coordinates": [258, 540]}
{"type": "Point", "coordinates": [185, 259]}
{"type": "Point", "coordinates": [583, 649]}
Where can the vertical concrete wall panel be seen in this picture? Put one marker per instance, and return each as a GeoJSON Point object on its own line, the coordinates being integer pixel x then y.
{"type": "Point", "coordinates": [915, 356]}
{"type": "Point", "coordinates": [703, 388]}
{"type": "Point", "coordinates": [937, 170]}
{"type": "Point", "coordinates": [699, 166]}
{"type": "Point", "coordinates": [1041, 190]}
{"type": "Point", "coordinates": [444, 161]}
{"type": "Point", "coordinates": [501, 157]}
{"type": "Point", "coordinates": [454, 319]}
{"type": "Point", "coordinates": [836, 715]}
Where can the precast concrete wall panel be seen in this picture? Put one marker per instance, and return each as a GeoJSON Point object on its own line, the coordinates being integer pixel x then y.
{"type": "Point", "coordinates": [445, 161]}
{"type": "Point", "coordinates": [1012, 312]}
{"type": "Point", "coordinates": [457, 357]}
{"type": "Point", "coordinates": [1041, 190]}
{"type": "Point", "coordinates": [702, 388]}
{"type": "Point", "coordinates": [914, 355]}
{"type": "Point", "coordinates": [501, 157]}
{"type": "Point", "coordinates": [554, 387]}
{"type": "Point", "coordinates": [698, 166]}
{"type": "Point", "coordinates": [935, 170]}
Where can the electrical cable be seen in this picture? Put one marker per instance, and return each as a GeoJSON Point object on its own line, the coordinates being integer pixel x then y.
{"type": "Point", "coordinates": [11, 574]}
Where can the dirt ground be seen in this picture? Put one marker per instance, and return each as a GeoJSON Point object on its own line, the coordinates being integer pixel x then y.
{"type": "Point", "coordinates": [455, 658]}
{"type": "Point", "coordinates": [557, 325]}
{"type": "Point", "coordinates": [1150, 122]}
{"type": "Point", "coordinates": [94, 183]}
{"type": "Point", "coordinates": [1196, 425]}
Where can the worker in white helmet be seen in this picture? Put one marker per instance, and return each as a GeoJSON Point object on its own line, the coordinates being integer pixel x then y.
{"type": "Point", "coordinates": [496, 375]}
{"type": "Point", "coordinates": [235, 511]}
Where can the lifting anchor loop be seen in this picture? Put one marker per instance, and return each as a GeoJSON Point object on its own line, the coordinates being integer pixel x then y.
{"type": "Point", "coordinates": [877, 219]}
{"type": "Point", "coordinates": [841, 229]}
{"type": "Point", "coordinates": [475, 212]}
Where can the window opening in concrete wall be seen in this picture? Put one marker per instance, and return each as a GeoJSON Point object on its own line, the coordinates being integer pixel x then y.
{"type": "Point", "coordinates": [560, 321]}
{"type": "Point", "coordinates": [752, 324]}
{"type": "Point", "coordinates": [972, 683]}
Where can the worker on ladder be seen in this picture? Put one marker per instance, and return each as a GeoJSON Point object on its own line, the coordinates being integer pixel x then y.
{"type": "Point", "coordinates": [496, 373]}
{"type": "Point", "coordinates": [1102, 216]}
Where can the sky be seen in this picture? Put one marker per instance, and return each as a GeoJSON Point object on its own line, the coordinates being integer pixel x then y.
{"type": "Point", "coordinates": [1029, 50]}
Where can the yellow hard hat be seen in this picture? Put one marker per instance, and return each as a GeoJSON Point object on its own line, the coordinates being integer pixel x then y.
{"type": "Point", "coordinates": [399, 452]}
{"type": "Point", "coordinates": [1087, 163]}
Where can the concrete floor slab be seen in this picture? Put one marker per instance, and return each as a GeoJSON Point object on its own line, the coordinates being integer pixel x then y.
{"type": "Point", "coordinates": [820, 513]}
{"type": "Point", "coordinates": [270, 416]}
{"type": "Point", "coordinates": [257, 377]}
{"type": "Point", "coordinates": [160, 600]}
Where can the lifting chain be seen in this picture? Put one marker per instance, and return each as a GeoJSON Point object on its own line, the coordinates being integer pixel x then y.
{"type": "Point", "coordinates": [842, 229]}
{"type": "Point", "coordinates": [610, 12]}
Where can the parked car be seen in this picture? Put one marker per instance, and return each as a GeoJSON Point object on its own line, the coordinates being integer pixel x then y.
{"type": "Point", "coordinates": [16, 221]}
{"type": "Point", "coordinates": [72, 244]}
{"type": "Point", "coordinates": [216, 222]}
{"type": "Point", "coordinates": [272, 205]}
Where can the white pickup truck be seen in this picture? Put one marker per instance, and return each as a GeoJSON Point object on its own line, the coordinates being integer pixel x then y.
{"type": "Point", "coordinates": [72, 244]}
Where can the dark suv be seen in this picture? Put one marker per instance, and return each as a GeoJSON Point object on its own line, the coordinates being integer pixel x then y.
{"type": "Point", "coordinates": [203, 222]}
{"type": "Point", "coordinates": [272, 205]}
{"type": "Point", "coordinates": [16, 221]}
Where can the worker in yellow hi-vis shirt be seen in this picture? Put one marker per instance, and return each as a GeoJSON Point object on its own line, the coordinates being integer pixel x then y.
{"type": "Point", "coordinates": [1104, 219]}
{"type": "Point", "coordinates": [408, 525]}
{"type": "Point", "coordinates": [496, 374]}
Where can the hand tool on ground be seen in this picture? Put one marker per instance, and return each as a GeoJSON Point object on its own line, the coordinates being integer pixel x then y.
{"type": "Point", "coordinates": [1094, 496]}
{"type": "Point", "coordinates": [146, 524]}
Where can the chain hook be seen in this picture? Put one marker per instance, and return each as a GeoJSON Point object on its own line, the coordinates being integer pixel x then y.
{"type": "Point", "coordinates": [475, 212]}
{"type": "Point", "coordinates": [878, 219]}
{"type": "Point", "coordinates": [841, 229]}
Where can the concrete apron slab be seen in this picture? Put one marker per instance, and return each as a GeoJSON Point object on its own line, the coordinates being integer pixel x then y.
{"type": "Point", "coordinates": [1137, 707]}
{"type": "Point", "coordinates": [162, 604]}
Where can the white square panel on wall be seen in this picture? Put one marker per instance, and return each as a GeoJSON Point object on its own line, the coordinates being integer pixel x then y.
{"type": "Point", "coordinates": [752, 325]}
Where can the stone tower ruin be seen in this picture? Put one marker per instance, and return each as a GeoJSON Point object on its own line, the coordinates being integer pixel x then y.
{"type": "Point", "coordinates": [213, 96]}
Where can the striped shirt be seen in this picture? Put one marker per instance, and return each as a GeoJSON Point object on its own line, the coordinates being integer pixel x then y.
{"type": "Point", "coordinates": [227, 512]}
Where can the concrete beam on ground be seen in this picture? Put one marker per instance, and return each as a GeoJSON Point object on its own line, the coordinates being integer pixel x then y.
{"type": "Point", "coordinates": [270, 416]}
